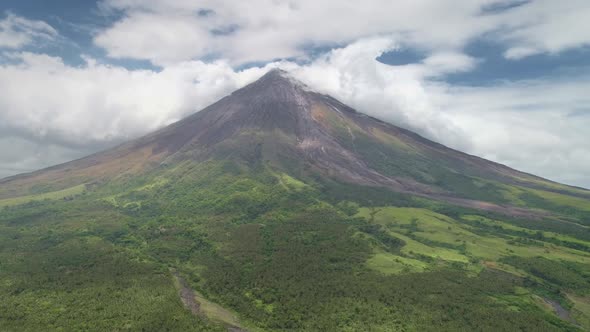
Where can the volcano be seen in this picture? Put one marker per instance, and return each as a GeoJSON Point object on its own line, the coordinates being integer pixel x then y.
{"type": "Point", "coordinates": [278, 121]}
{"type": "Point", "coordinates": [283, 208]}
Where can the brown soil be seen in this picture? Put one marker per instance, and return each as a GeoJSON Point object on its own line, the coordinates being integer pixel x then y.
{"type": "Point", "coordinates": [187, 295]}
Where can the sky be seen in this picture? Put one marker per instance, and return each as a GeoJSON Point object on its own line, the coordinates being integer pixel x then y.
{"type": "Point", "coordinates": [506, 80]}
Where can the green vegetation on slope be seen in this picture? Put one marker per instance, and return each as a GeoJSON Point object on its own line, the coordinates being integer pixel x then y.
{"type": "Point", "coordinates": [68, 193]}
{"type": "Point", "coordinates": [282, 252]}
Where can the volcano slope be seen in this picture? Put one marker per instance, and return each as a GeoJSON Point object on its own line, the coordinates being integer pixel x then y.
{"type": "Point", "coordinates": [279, 208]}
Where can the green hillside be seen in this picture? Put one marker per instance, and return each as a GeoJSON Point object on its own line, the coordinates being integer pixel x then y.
{"type": "Point", "coordinates": [283, 254]}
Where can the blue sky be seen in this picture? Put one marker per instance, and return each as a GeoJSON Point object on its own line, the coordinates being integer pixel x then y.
{"type": "Point", "coordinates": [495, 67]}
{"type": "Point", "coordinates": [503, 79]}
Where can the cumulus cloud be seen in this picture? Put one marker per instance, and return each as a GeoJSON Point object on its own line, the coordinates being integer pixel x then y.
{"type": "Point", "coordinates": [392, 93]}
{"type": "Point", "coordinates": [263, 30]}
{"type": "Point", "coordinates": [546, 26]}
{"type": "Point", "coordinates": [16, 31]}
{"type": "Point", "coordinates": [538, 126]}
{"type": "Point", "coordinates": [143, 36]}
{"type": "Point", "coordinates": [47, 99]}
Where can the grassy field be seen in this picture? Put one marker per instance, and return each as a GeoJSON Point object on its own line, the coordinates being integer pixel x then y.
{"type": "Point", "coordinates": [395, 264]}
{"type": "Point", "coordinates": [572, 201]}
{"type": "Point", "coordinates": [437, 236]}
{"type": "Point", "coordinates": [61, 194]}
{"type": "Point", "coordinates": [580, 310]}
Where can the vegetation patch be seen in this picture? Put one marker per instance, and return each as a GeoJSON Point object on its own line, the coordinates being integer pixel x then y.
{"type": "Point", "coordinates": [68, 193]}
{"type": "Point", "coordinates": [560, 199]}
{"type": "Point", "coordinates": [394, 264]}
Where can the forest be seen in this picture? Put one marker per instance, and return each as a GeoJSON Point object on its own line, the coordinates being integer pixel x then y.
{"type": "Point", "coordinates": [283, 254]}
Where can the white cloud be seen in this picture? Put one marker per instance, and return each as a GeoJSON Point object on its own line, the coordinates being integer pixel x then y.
{"type": "Point", "coordinates": [20, 155]}
{"type": "Point", "coordinates": [516, 53]}
{"type": "Point", "coordinates": [546, 26]}
{"type": "Point", "coordinates": [143, 36]}
{"type": "Point", "coordinates": [449, 62]}
{"type": "Point", "coordinates": [16, 31]}
{"type": "Point", "coordinates": [392, 93]}
{"type": "Point", "coordinates": [45, 98]}
{"type": "Point", "coordinates": [268, 29]}
{"type": "Point", "coordinates": [527, 125]}
{"type": "Point", "coordinates": [263, 30]}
